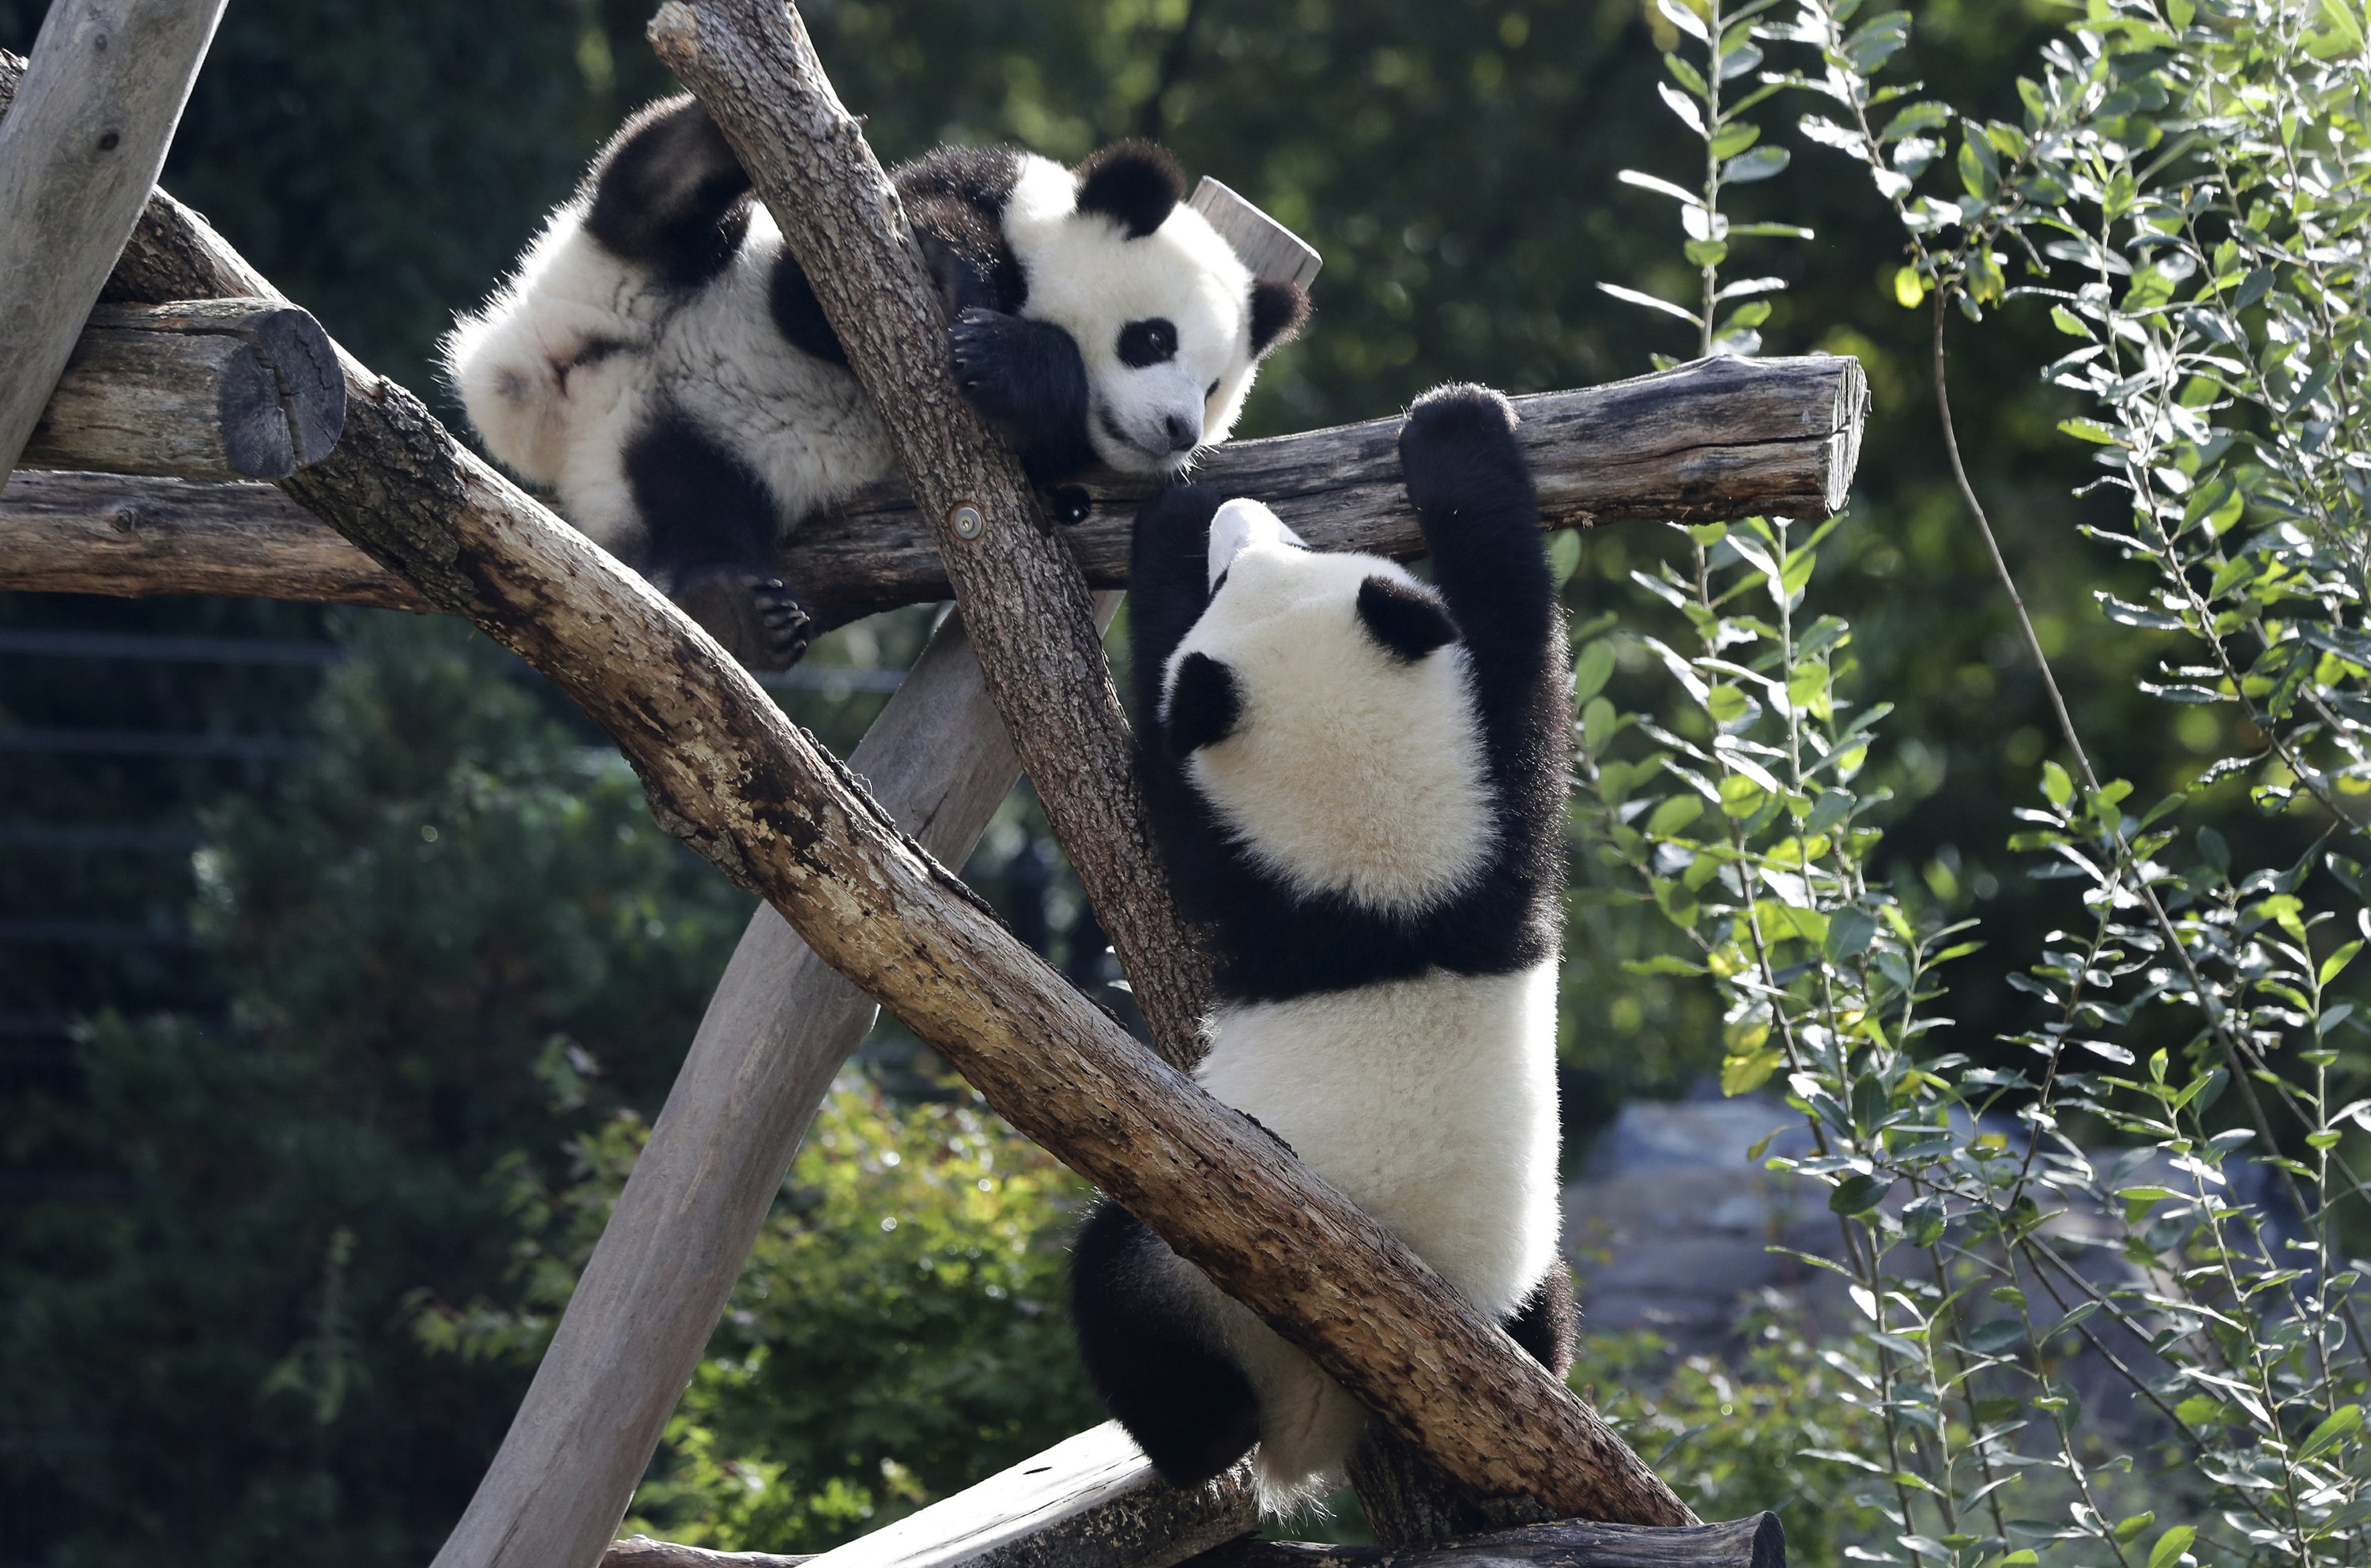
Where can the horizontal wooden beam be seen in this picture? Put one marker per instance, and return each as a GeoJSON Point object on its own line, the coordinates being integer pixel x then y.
{"type": "Point", "coordinates": [1715, 439]}
{"type": "Point", "coordinates": [1757, 1542]}
{"type": "Point", "coordinates": [1093, 1502]}
{"type": "Point", "coordinates": [130, 538]}
{"type": "Point", "coordinates": [201, 389]}
{"type": "Point", "coordinates": [1089, 1501]}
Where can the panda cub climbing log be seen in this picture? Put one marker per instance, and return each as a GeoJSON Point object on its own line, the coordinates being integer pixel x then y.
{"type": "Point", "coordinates": [1359, 781]}
{"type": "Point", "coordinates": [659, 360]}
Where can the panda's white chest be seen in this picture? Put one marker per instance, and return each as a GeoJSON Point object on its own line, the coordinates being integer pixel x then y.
{"type": "Point", "coordinates": [1430, 1102]}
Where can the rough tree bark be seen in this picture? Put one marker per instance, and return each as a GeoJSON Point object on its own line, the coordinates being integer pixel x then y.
{"type": "Point", "coordinates": [751, 63]}
{"type": "Point", "coordinates": [728, 773]}
{"type": "Point", "coordinates": [201, 389]}
{"type": "Point", "coordinates": [1717, 438]}
{"type": "Point", "coordinates": [100, 99]}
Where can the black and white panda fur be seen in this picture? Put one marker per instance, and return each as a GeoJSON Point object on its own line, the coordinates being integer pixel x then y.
{"type": "Point", "coordinates": [659, 361]}
{"type": "Point", "coordinates": [1359, 782]}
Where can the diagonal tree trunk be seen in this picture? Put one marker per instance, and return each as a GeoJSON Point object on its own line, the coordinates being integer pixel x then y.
{"type": "Point", "coordinates": [1022, 596]}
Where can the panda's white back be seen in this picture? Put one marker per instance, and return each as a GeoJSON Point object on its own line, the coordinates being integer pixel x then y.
{"type": "Point", "coordinates": [1430, 1102]}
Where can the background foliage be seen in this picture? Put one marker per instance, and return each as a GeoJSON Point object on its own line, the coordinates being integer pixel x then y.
{"type": "Point", "coordinates": [281, 1231]}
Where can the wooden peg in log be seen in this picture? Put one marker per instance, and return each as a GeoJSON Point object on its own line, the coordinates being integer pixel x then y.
{"type": "Point", "coordinates": [200, 389]}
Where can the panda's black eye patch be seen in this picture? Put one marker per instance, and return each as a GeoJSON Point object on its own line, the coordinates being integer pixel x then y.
{"type": "Point", "coordinates": [1153, 342]}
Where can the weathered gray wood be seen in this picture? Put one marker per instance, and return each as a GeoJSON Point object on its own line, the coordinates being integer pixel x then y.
{"type": "Point", "coordinates": [84, 135]}
{"type": "Point", "coordinates": [780, 1023]}
{"type": "Point", "coordinates": [642, 1552]}
{"type": "Point", "coordinates": [754, 67]}
{"type": "Point", "coordinates": [202, 389]}
{"type": "Point", "coordinates": [67, 533]}
{"type": "Point", "coordinates": [1266, 247]}
{"type": "Point", "coordinates": [1719, 438]}
{"type": "Point", "coordinates": [1091, 1502]}
{"type": "Point", "coordinates": [1410, 1504]}
{"type": "Point", "coordinates": [1757, 1542]}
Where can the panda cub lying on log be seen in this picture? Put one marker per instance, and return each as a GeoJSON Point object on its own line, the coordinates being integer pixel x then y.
{"type": "Point", "coordinates": [659, 360]}
{"type": "Point", "coordinates": [1359, 782]}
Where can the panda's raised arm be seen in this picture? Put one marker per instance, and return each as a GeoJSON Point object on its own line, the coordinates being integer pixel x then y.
{"type": "Point", "coordinates": [1169, 587]}
{"type": "Point", "coordinates": [1481, 521]}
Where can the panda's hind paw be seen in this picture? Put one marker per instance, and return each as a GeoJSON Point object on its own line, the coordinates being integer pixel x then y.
{"type": "Point", "coordinates": [753, 613]}
{"type": "Point", "coordinates": [1458, 446]}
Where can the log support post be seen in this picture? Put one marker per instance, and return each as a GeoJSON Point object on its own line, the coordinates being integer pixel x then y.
{"type": "Point", "coordinates": [79, 151]}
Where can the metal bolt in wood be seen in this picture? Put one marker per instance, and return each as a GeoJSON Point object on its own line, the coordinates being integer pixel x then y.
{"type": "Point", "coordinates": [966, 521]}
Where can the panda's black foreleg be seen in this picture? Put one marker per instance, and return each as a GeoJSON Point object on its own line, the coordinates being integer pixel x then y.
{"type": "Point", "coordinates": [1029, 378]}
{"type": "Point", "coordinates": [1152, 1355]}
{"type": "Point", "coordinates": [1481, 521]}
{"type": "Point", "coordinates": [710, 527]}
{"type": "Point", "coordinates": [1168, 584]}
{"type": "Point", "coordinates": [667, 192]}
{"type": "Point", "coordinates": [1547, 1324]}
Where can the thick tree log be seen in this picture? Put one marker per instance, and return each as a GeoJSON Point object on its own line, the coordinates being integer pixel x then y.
{"type": "Point", "coordinates": [778, 1027]}
{"type": "Point", "coordinates": [1757, 1542]}
{"type": "Point", "coordinates": [752, 64]}
{"type": "Point", "coordinates": [202, 389]}
{"type": "Point", "coordinates": [1410, 1504]}
{"type": "Point", "coordinates": [64, 533]}
{"type": "Point", "coordinates": [642, 1552]}
{"type": "Point", "coordinates": [1715, 439]}
{"type": "Point", "coordinates": [87, 132]}
{"type": "Point", "coordinates": [1092, 1502]}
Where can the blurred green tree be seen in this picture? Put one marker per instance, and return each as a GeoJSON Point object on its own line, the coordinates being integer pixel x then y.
{"type": "Point", "coordinates": [450, 935]}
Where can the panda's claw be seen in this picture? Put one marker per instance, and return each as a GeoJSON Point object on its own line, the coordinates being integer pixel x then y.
{"type": "Point", "coordinates": [756, 616]}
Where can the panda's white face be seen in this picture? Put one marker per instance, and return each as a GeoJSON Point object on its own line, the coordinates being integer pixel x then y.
{"type": "Point", "coordinates": [1350, 767]}
{"type": "Point", "coordinates": [1164, 319]}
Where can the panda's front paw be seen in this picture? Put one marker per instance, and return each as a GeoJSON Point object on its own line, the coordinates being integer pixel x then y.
{"type": "Point", "coordinates": [1004, 364]}
{"type": "Point", "coordinates": [1458, 447]}
{"type": "Point", "coordinates": [753, 613]}
{"type": "Point", "coordinates": [1180, 511]}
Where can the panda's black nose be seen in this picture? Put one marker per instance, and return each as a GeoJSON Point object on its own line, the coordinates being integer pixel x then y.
{"type": "Point", "coordinates": [1184, 435]}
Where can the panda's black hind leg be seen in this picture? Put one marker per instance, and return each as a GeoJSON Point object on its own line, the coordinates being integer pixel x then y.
{"type": "Point", "coordinates": [710, 527]}
{"type": "Point", "coordinates": [753, 612]}
{"type": "Point", "coordinates": [1151, 1354]}
{"type": "Point", "coordinates": [667, 192]}
{"type": "Point", "coordinates": [1547, 1324]}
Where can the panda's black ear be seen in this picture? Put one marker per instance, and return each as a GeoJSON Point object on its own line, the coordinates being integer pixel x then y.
{"type": "Point", "coordinates": [1277, 311]}
{"type": "Point", "coordinates": [1408, 621]}
{"type": "Point", "coordinates": [1135, 183]}
{"type": "Point", "coordinates": [1204, 704]}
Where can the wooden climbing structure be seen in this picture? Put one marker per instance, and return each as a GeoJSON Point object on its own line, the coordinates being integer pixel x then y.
{"type": "Point", "coordinates": [156, 382]}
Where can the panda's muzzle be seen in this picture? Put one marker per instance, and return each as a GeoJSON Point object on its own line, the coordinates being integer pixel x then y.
{"type": "Point", "coordinates": [1178, 436]}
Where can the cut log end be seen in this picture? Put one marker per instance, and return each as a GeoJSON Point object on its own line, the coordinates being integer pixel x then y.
{"type": "Point", "coordinates": [202, 389]}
